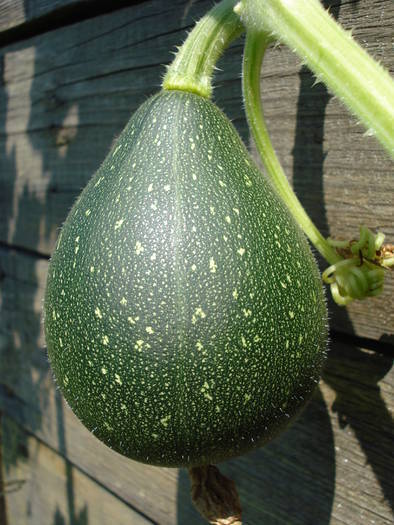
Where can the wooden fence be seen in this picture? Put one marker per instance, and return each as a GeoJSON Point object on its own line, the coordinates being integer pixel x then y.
{"type": "Point", "coordinates": [71, 73]}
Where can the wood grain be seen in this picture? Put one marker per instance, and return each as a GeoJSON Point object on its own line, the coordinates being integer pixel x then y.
{"type": "Point", "coordinates": [44, 487]}
{"type": "Point", "coordinates": [14, 13]}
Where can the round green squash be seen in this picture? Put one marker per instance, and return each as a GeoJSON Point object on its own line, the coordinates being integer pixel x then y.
{"type": "Point", "coordinates": [184, 313]}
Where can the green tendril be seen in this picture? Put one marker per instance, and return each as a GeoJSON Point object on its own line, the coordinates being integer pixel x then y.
{"type": "Point", "coordinates": [360, 274]}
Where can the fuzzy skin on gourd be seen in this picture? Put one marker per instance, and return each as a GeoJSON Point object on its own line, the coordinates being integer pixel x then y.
{"type": "Point", "coordinates": [184, 314]}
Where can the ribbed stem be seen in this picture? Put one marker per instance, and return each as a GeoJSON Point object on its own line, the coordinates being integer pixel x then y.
{"type": "Point", "coordinates": [194, 63]}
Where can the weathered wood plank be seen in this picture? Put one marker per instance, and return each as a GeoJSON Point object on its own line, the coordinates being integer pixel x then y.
{"type": "Point", "coordinates": [21, 19]}
{"type": "Point", "coordinates": [334, 466]}
{"type": "Point", "coordinates": [14, 13]}
{"type": "Point", "coordinates": [67, 94]}
{"type": "Point", "coordinates": [42, 487]}
{"type": "Point", "coordinates": [55, 119]}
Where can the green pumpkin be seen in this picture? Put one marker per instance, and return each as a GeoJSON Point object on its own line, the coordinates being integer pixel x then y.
{"type": "Point", "coordinates": [184, 314]}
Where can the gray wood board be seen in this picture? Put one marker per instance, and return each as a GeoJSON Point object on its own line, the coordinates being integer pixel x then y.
{"type": "Point", "coordinates": [16, 13]}
{"type": "Point", "coordinates": [333, 466]}
{"type": "Point", "coordinates": [68, 93]}
{"type": "Point", "coordinates": [43, 487]}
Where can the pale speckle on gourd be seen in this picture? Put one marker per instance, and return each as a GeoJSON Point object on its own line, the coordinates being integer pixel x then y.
{"type": "Point", "coordinates": [138, 248]}
{"type": "Point", "coordinates": [118, 224]}
{"type": "Point", "coordinates": [205, 391]}
{"type": "Point", "coordinates": [116, 150]}
{"type": "Point", "coordinates": [98, 313]}
{"type": "Point", "coordinates": [212, 265]}
{"type": "Point", "coordinates": [165, 420]}
{"type": "Point", "coordinates": [198, 314]}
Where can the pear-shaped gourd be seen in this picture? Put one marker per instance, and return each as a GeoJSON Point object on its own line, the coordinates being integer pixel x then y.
{"type": "Point", "coordinates": [184, 316]}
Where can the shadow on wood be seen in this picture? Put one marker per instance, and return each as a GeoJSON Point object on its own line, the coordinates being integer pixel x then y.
{"type": "Point", "coordinates": [354, 375]}
{"type": "Point", "coordinates": [309, 159]}
{"type": "Point", "coordinates": [23, 360]}
{"type": "Point", "coordinates": [290, 481]}
{"type": "Point", "coordinates": [19, 336]}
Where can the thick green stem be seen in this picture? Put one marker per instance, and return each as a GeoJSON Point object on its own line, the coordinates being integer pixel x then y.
{"type": "Point", "coordinates": [255, 46]}
{"type": "Point", "coordinates": [193, 66]}
{"type": "Point", "coordinates": [364, 86]}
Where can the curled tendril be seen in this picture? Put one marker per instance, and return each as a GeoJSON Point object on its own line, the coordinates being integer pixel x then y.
{"type": "Point", "coordinates": [360, 273]}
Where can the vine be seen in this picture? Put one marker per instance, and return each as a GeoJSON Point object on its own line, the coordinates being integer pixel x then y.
{"type": "Point", "coordinates": [337, 60]}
